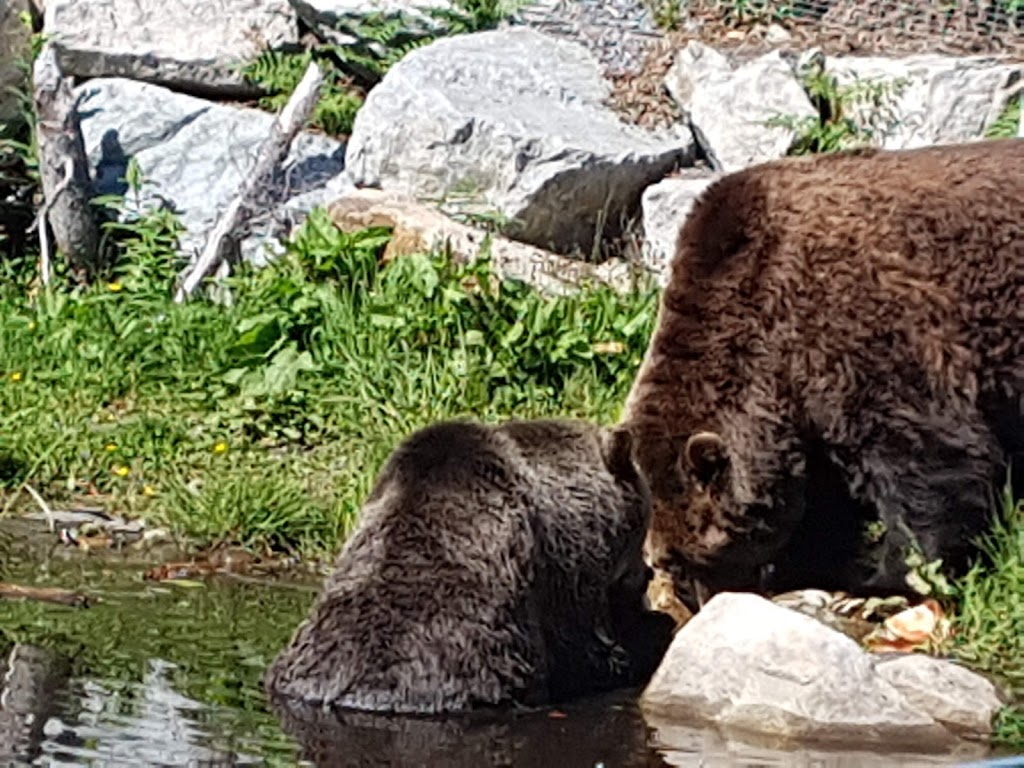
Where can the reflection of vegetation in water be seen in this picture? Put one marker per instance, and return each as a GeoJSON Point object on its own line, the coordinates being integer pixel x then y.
{"type": "Point", "coordinates": [220, 639]}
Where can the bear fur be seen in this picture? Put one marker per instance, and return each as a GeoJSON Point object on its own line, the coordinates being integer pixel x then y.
{"type": "Point", "coordinates": [836, 376]}
{"type": "Point", "coordinates": [492, 565]}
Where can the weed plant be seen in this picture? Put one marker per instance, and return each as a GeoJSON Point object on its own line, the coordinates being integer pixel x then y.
{"type": "Point", "coordinates": [1008, 122]}
{"type": "Point", "coordinates": [379, 42]}
{"type": "Point", "coordinates": [990, 616]}
{"type": "Point", "coordinates": [850, 115]}
{"type": "Point", "coordinates": [265, 423]}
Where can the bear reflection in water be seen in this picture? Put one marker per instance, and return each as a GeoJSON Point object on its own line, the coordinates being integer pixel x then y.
{"type": "Point", "coordinates": [493, 566]}
{"type": "Point", "coordinates": [605, 730]}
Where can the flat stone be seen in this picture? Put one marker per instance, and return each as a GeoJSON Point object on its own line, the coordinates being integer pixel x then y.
{"type": "Point", "coordinates": [943, 99]}
{"type": "Point", "coordinates": [731, 110]}
{"type": "Point", "coordinates": [752, 667]}
{"type": "Point", "coordinates": [195, 154]}
{"type": "Point", "coordinates": [419, 228]}
{"type": "Point", "coordinates": [665, 207]}
{"type": "Point", "coordinates": [190, 45]}
{"type": "Point", "coordinates": [512, 120]}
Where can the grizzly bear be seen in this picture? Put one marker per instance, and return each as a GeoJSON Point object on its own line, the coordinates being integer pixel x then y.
{"type": "Point", "coordinates": [836, 377]}
{"type": "Point", "coordinates": [492, 566]}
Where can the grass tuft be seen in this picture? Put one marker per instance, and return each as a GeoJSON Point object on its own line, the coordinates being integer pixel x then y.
{"type": "Point", "coordinates": [264, 423]}
{"type": "Point", "coordinates": [989, 623]}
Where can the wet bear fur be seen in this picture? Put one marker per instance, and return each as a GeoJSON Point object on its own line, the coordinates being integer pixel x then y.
{"type": "Point", "coordinates": [492, 565]}
{"type": "Point", "coordinates": [836, 376]}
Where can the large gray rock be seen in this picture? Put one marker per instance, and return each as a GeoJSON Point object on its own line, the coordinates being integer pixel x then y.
{"type": "Point", "coordinates": [733, 110]}
{"type": "Point", "coordinates": [14, 48]}
{"type": "Point", "coordinates": [193, 45]}
{"type": "Point", "coordinates": [665, 207]}
{"type": "Point", "coordinates": [195, 154]}
{"type": "Point", "coordinates": [750, 666]}
{"type": "Point", "coordinates": [515, 120]}
{"type": "Point", "coordinates": [933, 99]}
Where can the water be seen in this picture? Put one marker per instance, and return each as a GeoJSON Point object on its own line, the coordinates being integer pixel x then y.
{"type": "Point", "coordinates": [168, 675]}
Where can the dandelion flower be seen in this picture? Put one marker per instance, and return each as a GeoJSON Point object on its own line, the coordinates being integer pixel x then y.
{"type": "Point", "coordinates": [115, 286]}
{"type": "Point", "coordinates": [17, 376]}
{"type": "Point", "coordinates": [220, 447]}
{"type": "Point", "coordinates": [121, 471]}
{"type": "Point", "coordinates": [148, 490]}
{"type": "Point", "coordinates": [110, 447]}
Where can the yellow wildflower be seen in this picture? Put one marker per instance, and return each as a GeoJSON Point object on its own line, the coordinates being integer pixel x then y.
{"type": "Point", "coordinates": [121, 471]}
{"type": "Point", "coordinates": [17, 376]}
{"type": "Point", "coordinates": [148, 490]}
{"type": "Point", "coordinates": [110, 447]}
{"type": "Point", "coordinates": [115, 286]}
{"type": "Point", "coordinates": [220, 447]}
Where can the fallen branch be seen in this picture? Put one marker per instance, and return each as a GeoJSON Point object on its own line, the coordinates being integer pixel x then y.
{"type": "Point", "coordinates": [43, 506]}
{"type": "Point", "coordinates": [63, 168]}
{"type": "Point", "coordinates": [222, 244]}
{"type": "Point", "coordinates": [44, 595]}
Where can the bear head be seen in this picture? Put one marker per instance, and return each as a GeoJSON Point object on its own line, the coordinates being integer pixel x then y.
{"type": "Point", "coordinates": [700, 533]}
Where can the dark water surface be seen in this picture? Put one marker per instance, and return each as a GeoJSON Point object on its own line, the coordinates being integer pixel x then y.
{"type": "Point", "coordinates": [166, 674]}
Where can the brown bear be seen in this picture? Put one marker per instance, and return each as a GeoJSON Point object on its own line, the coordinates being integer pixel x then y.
{"type": "Point", "coordinates": [492, 566]}
{"type": "Point", "coordinates": [836, 376]}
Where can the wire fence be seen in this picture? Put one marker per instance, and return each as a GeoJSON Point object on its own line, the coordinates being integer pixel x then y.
{"type": "Point", "coordinates": [957, 27]}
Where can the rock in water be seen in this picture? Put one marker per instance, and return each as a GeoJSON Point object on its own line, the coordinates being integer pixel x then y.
{"type": "Point", "coordinates": [754, 667]}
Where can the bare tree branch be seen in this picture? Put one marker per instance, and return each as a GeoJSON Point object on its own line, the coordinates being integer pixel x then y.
{"type": "Point", "coordinates": [223, 240]}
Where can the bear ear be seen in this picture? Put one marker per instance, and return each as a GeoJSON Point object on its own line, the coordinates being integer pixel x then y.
{"type": "Point", "coordinates": [617, 450]}
{"type": "Point", "coordinates": [706, 456]}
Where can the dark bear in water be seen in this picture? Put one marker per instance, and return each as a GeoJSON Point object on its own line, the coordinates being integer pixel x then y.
{"type": "Point", "coordinates": [836, 378]}
{"type": "Point", "coordinates": [492, 565]}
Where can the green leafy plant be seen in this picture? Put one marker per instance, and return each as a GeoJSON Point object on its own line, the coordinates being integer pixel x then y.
{"type": "Point", "coordinates": [379, 41]}
{"type": "Point", "coordinates": [850, 115]}
{"type": "Point", "coordinates": [1008, 122]}
{"type": "Point", "coordinates": [325, 359]}
{"type": "Point", "coordinates": [476, 15]}
{"type": "Point", "coordinates": [279, 73]}
{"type": "Point", "coordinates": [989, 623]}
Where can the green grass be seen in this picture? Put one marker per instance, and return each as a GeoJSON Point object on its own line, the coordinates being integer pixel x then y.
{"type": "Point", "coordinates": [990, 617]}
{"type": "Point", "coordinates": [1007, 123]}
{"type": "Point", "coordinates": [265, 423]}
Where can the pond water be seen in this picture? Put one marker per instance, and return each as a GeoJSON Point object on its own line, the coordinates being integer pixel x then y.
{"type": "Point", "coordinates": [167, 674]}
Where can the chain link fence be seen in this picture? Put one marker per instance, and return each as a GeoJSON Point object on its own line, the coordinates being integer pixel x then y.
{"type": "Point", "coordinates": [884, 27]}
